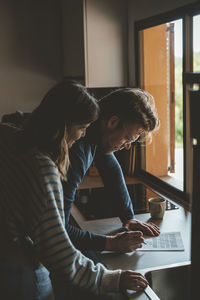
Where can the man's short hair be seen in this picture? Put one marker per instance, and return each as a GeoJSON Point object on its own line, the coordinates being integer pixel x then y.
{"type": "Point", "coordinates": [132, 106]}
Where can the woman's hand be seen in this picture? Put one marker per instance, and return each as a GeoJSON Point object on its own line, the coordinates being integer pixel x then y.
{"type": "Point", "coordinates": [132, 281]}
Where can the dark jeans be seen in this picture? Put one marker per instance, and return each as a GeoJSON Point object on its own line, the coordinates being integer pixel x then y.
{"type": "Point", "coordinates": [63, 291]}
{"type": "Point", "coordinates": [21, 282]}
{"type": "Point", "coordinates": [21, 278]}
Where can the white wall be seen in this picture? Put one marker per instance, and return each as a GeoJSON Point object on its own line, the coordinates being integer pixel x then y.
{"type": "Point", "coordinates": [30, 52]}
{"type": "Point", "coordinates": [141, 9]}
{"type": "Point", "coordinates": [95, 41]}
{"type": "Point", "coordinates": [106, 25]}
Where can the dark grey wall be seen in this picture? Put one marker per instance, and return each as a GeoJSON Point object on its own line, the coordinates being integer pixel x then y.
{"type": "Point", "coordinates": [30, 52]}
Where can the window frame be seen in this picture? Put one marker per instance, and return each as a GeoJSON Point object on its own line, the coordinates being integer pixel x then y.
{"type": "Point", "coordinates": [186, 13]}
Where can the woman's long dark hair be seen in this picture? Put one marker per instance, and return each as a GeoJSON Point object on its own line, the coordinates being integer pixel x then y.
{"type": "Point", "coordinates": [65, 104]}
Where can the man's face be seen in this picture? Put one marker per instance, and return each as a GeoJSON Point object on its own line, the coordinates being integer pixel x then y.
{"type": "Point", "coordinates": [115, 137]}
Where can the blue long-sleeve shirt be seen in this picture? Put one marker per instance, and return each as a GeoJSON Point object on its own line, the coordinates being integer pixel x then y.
{"type": "Point", "coordinates": [82, 154]}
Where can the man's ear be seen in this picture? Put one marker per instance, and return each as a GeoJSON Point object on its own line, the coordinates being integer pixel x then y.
{"type": "Point", "coordinates": [113, 122]}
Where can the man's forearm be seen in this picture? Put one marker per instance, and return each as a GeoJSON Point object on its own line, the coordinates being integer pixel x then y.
{"type": "Point", "coordinates": [114, 183]}
{"type": "Point", "coordinates": [84, 240]}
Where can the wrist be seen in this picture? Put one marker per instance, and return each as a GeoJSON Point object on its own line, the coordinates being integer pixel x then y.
{"type": "Point", "coordinates": [108, 246]}
{"type": "Point", "coordinates": [121, 281]}
{"type": "Point", "coordinates": [127, 222]}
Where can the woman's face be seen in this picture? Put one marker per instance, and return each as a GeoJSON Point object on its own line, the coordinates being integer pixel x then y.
{"type": "Point", "coordinates": [76, 132]}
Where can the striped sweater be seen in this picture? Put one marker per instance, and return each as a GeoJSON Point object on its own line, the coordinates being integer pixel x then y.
{"type": "Point", "coordinates": [31, 200]}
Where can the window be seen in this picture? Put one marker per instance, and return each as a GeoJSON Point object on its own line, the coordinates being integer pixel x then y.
{"type": "Point", "coordinates": [196, 43]}
{"type": "Point", "coordinates": [162, 77]}
{"type": "Point", "coordinates": [164, 51]}
{"type": "Point", "coordinates": [196, 47]}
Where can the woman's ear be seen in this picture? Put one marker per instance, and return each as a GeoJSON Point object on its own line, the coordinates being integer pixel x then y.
{"type": "Point", "coordinates": [113, 122]}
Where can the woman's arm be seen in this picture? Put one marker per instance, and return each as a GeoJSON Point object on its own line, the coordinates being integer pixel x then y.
{"type": "Point", "coordinates": [55, 248]}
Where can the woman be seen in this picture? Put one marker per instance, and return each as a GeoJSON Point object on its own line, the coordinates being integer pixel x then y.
{"type": "Point", "coordinates": [33, 160]}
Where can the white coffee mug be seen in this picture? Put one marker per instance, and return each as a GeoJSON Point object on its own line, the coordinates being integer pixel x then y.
{"type": "Point", "coordinates": [157, 207]}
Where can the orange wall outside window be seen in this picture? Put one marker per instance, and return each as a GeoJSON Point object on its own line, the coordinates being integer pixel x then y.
{"type": "Point", "coordinates": [156, 81]}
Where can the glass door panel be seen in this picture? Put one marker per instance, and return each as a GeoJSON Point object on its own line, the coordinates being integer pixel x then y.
{"type": "Point", "coordinates": [196, 43]}
{"type": "Point", "coordinates": [161, 75]}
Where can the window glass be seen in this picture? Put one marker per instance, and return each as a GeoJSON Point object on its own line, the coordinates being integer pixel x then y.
{"type": "Point", "coordinates": [196, 43]}
{"type": "Point", "coordinates": [196, 47]}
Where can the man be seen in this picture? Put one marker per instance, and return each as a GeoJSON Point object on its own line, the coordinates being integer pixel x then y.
{"type": "Point", "coordinates": [125, 116]}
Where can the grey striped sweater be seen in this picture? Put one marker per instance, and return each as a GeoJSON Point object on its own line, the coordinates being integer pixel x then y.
{"type": "Point", "coordinates": [31, 200]}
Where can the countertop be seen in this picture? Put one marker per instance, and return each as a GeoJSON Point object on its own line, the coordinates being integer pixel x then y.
{"type": "Point", "coordinates": [173, 220]}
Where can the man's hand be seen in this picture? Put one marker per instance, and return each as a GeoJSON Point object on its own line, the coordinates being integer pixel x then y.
{"type": "Point", "coordinates": [132, 281]}
{"type": "Point", "coordinates": [123, 242]}
{"type": "Point", "coordinates": [147, 228]}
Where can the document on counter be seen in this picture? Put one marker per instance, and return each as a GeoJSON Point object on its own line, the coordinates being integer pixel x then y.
{"type": "Point", "coordinates": [166, 241]}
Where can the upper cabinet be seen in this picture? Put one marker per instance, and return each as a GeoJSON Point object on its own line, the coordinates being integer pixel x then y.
{"type": "Point", "coordinates": [95, 41]}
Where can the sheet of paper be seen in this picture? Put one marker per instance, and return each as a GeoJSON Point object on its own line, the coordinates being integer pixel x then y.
{"type": "Point", "coordinates": [166, 241]}
{"type": "Point", "coordinates": [103, 226]}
